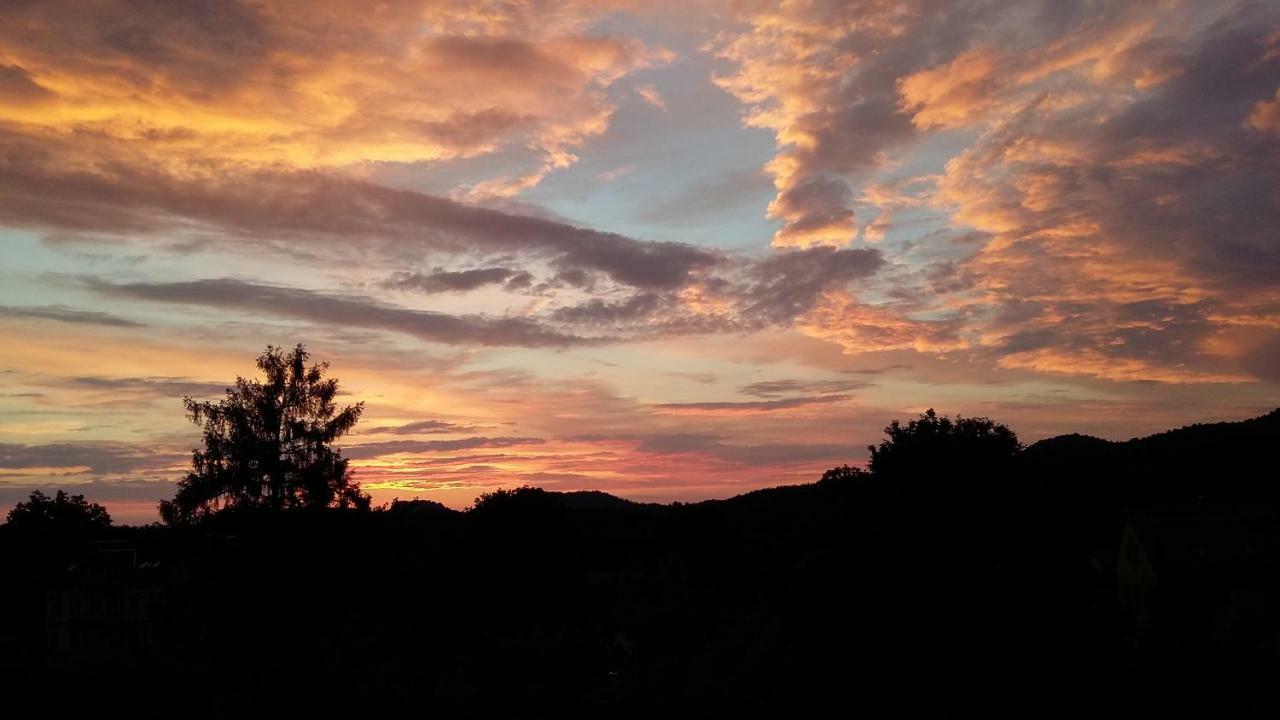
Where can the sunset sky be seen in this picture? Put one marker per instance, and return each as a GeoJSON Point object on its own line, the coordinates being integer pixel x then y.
{"type": "Point", "coordinates": [669, 250]}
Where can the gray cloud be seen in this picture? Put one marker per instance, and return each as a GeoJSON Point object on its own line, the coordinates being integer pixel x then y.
{"type": "Point", "coordinates": [760, 292]}
{"type": "Point", "coordinates": [876, 371]}
{"type": "Point", "coordinates": [101, 458]}
{"type": "Point", "coordinates": [355, 311]}
{"type": "Point", "coordinates": [159, 386]}
{"type": "Point", "coordinates": [778, 388]}
{"type": "Point", "coordinates": [62, 313]}
{"type": "Point", "coordinates": [393, 447]}
{"type": "Point", "coordinates": [203, 47]}
{"type": "Point", "coordinates": [108, 491]}
{"type": "Point", "coordinates": [456, 280]}
{"type": "Point", "coordinates": [600, 312]}
{"type": "Point", "coordinates": [787, 283]}
{"type": "Point", "coordinates": [39, 189]}
{"type": "Point", "coordinates": [704, 378]}
{"type": "Point", "coordinates": [756, 405]}
{"type": "Point", "coordinates": [423, 427]}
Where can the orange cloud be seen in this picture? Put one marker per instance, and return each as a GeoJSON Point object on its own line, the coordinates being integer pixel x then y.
{"type": "Point", "coordinates": [955, 94]}
{"type": "Point", "coordinates": [859, 327]}
{"type": "Point", "coordinates": [652, 96]}
{"type": "Point", "coordinates": [276, 84]}
{"type": "Point", "coordinates": [1120, 369]}
{"type": "Point", "coordinates": [1265, 116]}
{"type": "Point", "coordinates": [793, 69]}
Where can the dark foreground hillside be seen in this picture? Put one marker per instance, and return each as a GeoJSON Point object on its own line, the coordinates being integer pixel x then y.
{"type": "Point", "coordinates": [1085, 578]}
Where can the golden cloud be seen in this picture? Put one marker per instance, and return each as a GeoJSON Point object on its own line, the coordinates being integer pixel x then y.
{"type": "Point", "coordinates": [316, 85]}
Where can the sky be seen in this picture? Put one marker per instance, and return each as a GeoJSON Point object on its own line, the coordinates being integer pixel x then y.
{"type": "Point", "coordinates": [668, 250]}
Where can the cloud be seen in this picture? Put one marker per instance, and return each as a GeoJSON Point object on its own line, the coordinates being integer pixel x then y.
{"type": "Point", "coordinates": [1129, 230]}
{"type": "Point", "coordinates": [1116, 155]}
{"type": "Point", "coordinates": [776, 388]}
{"type": "Point", "coordinates": [609, 176]}
{"type": "Point", "coordinates": [312, 85]}
{"type": "Point", "coordinates": [96, 458]}
{"type": "Point", "coordinates": [401, 447]}
{"type": "Point", "coordinates": [822, 76]}
{"type": "Point", "coordinates": [158, 386]}
{"type": "Point", "coordinates": [786, 284]}
{"type": "Point", "coordinates": [1265, 116]}
{"type": "Point", "coordinates": [326, 309]}
{"type": "Point", "coordinates": [876, 371]}
{"type": "Point", "coordinates": [600, 312]}
{"type": "Point", "coordinates": [860, 327]}
{"type": "Point", "coordinates": [423, 427]}
{"type": "Point", "coordinates": [704, 378]}
{"type": "Point", "coordinates": [752, 405]}
{"type": "Point", "coordinates": [46, 184]}
{"type": "Point", "coordinates": [1263, 358]}
{"type": "Point", "coordinates": [652, 96]}
{"type": "Point", "coordinates": [62, 313]}
{"type": "Point", "coordinates": [1067, 199]}
{"type": "Point", "coordinates": [744, 295]}
{"type": "Point", "coordinates": [456, 281]}
{"type": "Point", "coordinates": [108, 492]}
{"type": "Point", "coordinates": [16, 85]}
{"type": "Point", "coordinates": [955, 94]}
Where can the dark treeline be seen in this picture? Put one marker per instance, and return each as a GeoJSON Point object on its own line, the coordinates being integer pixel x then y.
{"type": "Point", "coordinates": [962, 575]}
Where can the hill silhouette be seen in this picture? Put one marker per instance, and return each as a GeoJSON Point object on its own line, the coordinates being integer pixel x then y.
{"type": "Point", "coordinates": [1076, 577]}
{"type": "Point", "coordinates": [1215, 461]}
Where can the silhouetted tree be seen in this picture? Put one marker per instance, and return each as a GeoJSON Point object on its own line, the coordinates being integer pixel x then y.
{"type": "Point", "coordinates": [932, 447]}
{"type": "Point", "coordinates": [418, 506]}
{"type": "Point", "coordinates": [267, 444]}
{"type": "Point", "coordinates": [842, 474]}
{"type": "Point", "coordinates": [61, 512]}
{"type": "Point", "coordinates": [524, 498]}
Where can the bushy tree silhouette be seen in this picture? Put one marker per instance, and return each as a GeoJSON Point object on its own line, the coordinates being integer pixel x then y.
{"type": "Point", "coordinates": [933, 447]}
{"type": "Point", "coordinates": [267, 444]}
{"type": "Point", "coordinates": [62, 512]}
{"type": "Point", "coordinates": [842, 474]}
{"type": "Point", "coordinates": [523, 498]}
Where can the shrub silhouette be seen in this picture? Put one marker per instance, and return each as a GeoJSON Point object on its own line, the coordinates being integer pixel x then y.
{"type": "Point", "coordinates": [267, 444]}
